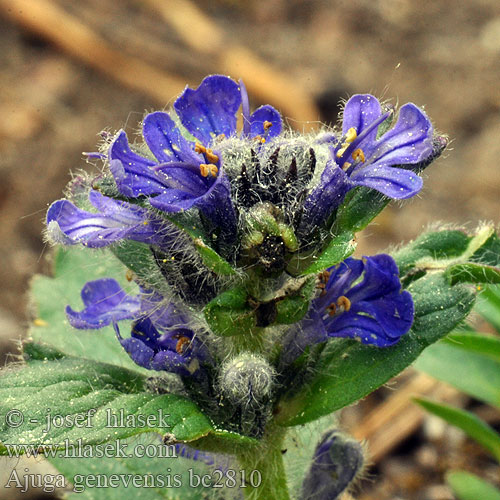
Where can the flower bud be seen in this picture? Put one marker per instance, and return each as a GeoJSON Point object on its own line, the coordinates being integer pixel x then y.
{"type": "Point", "coordinates": [337, 460]}
{"type": "Point", "coordinates": [247, 381]}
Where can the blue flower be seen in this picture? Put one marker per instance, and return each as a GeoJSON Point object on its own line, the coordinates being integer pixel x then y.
{"type": "Point", "coordinates": [360, 299]}
{"type": "Point", "coordinates": [187, 174]}
{"type": "Point", "coordinates": [370, 161]}
{"type": "Point", "coordinates": [373, 310]}
{"type": "Point", "coordinates": [114, 221]}
{"type": "Point", "coordinates": [105, 303]}
{"type": "Point", "coordinates": [336, 462]}
{"type": "Point", "coordinates": [160, 339]}
{"type": "Point", "coordinates": [360, 158]}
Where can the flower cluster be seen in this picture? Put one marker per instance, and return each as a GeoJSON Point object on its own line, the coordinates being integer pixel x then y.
{"type": "Point", "coordinates": [220, 215]}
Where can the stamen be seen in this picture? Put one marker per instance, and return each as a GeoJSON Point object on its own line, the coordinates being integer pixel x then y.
{"type": "Point", "coordinates": [368, 130]}
{"type": "Point", "coordinates": [332, 309]}
{"type": "Point", "coordinates": [208, 168]}
{"type": "Point", "coordinates": [204, 169]}
{"type": "Point", "coordinates": [358, 154]}
{"type": "Point", "coordinates": [199, 148]}
{"type": "Point", "coordinates": [267, 125]}
{"type": "Point", "coordinates": [129, 275]}
{"type": "Point", "coordinates": [342, 150]}
{"type": "Point", "coordinates": [211, 157]}
{"type": "Point", "coordinates": [344, 303]}
{"type": "Point", "coordinates": [350, 135]}
{"type": "Point", "coordinates": [346, 166]}
{"type": "Point", "coordinates": [245, 108]}
{"type": "Point", "coordinates": [182, 345]}
{"type": "Point", "coordinates": [324, 276]}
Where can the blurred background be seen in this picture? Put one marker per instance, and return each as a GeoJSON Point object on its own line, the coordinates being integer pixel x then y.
{"type": "Point", "coordinates": [72, 69]}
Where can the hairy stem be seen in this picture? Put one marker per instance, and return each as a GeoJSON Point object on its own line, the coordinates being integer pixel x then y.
{"type": "Point", "coordinates": [268, 460]}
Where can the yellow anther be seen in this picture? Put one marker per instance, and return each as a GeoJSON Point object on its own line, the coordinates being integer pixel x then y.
{"type": "Point", "coordinates": [332, 309]}
{"type": "Point", "coordinates": [182, 344]}
{"type": "Point", "coordinates": [129, 275]}
{"type": "Point", "coordinates": [341, 151]}
{"type": "Point", "coordinates": [207, 169]}
{"type": "Point", "coordinates": [346, 165]}
{"type": "Point", "coordinates": [324, 276]}
{"type": "Point", "coordinates": [204, 169]}
{"type": "Point", "coordinates": [146, 222]}
{"type": "Point", "coordinates": [358, 154]}
{"type": "Point", "coordinates": [199, 148]}
{"type": "Point", "coordinates": [344, 303]}
{"type": "Point", "coordinates": [40, 322]}
{"type": "Point", "coordinates": [258, 138]}
{"type": "Point", "coordinates": [350, 135]}
{"type": "Point", "coordinates": [267, 125]}
{"type": "Point", "coordinates": [211, 157]}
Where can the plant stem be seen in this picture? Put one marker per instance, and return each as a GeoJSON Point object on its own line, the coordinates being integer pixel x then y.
{"type": "Point", "coordinates": [268, 460]}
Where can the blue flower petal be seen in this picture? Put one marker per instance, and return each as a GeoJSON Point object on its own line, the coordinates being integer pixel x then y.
{"type": "Point", "coordinates": [324, 198]}
{"type": "Point", "coordinates": [171, 362]}
{"type": "Point", "coordinates": [185, 178]}
{"type": "Point", "coordinates": [165, 140]}
{"type": "Point", "coordinates": [263, 114]}
{"type": "Point", "coordinates": [397, 183]}
{"type": "Point", "coordinates": [174, 200]}
{"type": "Point", "coordinates": [381, 277]}
{"type": "Point", "coordinates": [134, 181]}
{"type": "Point", "coordinates": [138, 351]}
{"type": "Point", "coordinates": [105, 302]}
{"type": "Point", "coordinates": [408, 142]}
{"type": "Point", "coordinates": [378, 312]}
{"type": "Point", "coordinates": [120, 150]}
{"type": "Point", "coordinates": [116, 220]}
{"type": "Point", "coordinates": [359, 112]}
{"type": "Point", "coordinates": [210, 110]}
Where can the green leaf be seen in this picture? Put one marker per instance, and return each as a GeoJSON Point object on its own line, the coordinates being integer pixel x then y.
{"type": "Point", "coordinates": [209, 256]}
{"type": "Point", "coordinates": [68, 388]}
{"type": "Point", "coordinates": [444, 250]}
{"type": "Point", "coordinates": [439, 245]}
{"type": "Point", "coordinates": [472, 372]}
{"type": "Point", "coordinates": [138, 258]}
{"type": "Point", "coordinates": [473, 273]}
{"type": "Point", "coordinates": [341, 247]}
{"type": "Point", "coordinates": [487, 345]}
{"type": "Point", "coordinates": [468, 486]}
{"type": "Point", "coordinates": [229, 313]}
{"type": "Point", "coordinates": [347, 371]}
{"type": "Point", "coordinates": [212, 259]}
{"type": "Point", "coordinates": [472, 425]}
{"type": "Point", "coordinates": [73, 267]}
{"type": "Point", "coordinates": [294, 306]}
{"type": "Point", "coordinates": [489, 252]}
{"type": "Point", "coordinates": [359, 208]}
{"type": "Point", "coordinates": [489, 305]}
